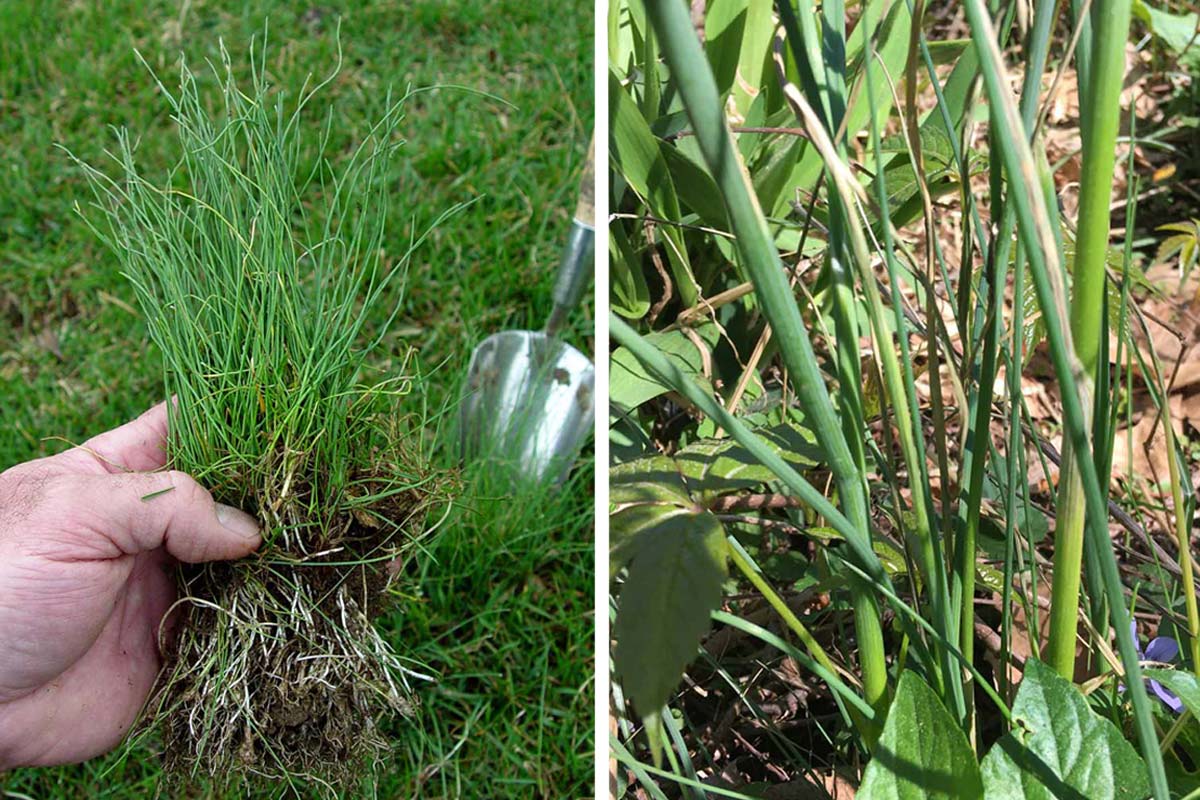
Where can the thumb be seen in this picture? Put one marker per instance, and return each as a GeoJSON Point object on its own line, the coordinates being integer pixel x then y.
{"type": "Point", "coordinates": [144, 511]}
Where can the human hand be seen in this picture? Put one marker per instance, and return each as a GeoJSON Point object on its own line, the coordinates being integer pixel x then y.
{"type": "Point", "coordinates": [87, 541]}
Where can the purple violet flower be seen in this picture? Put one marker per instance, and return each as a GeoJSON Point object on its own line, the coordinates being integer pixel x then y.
{"type": "Point", "coordinates": [1163, 649]}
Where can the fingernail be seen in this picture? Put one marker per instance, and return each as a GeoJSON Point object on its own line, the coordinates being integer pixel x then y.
{"type": "Point", "coordinates": [238, 521]}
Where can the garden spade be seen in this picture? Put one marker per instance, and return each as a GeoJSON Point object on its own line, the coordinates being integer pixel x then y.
{"type": "Point", "coordinates": [527, 402]}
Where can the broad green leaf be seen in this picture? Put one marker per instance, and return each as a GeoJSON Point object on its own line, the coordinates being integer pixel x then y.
{"type": "Point", "coordinates": [627, 439]}
{"type": "Point", "coordinates": [657, 469]}
{"type": "Point", "coordinates": [957, 90]}
{"type": "Point", "coordinates": [1177, 31]}
{"type": "Point", "coordinates": [788, 237]}
{"type": "Point", "coordinates": [697, 190]}
{"type": "Point", "coordinates": [724, 26]}
{"type": "Point", "coordinates": [756, 117]}
{"type": "Point", "coordinates": [989, 577]}
{"type": "Point", "coordinates": [1182, 775]}
{"type": "Point", "coordinates": [673, 584]}
{"type": "Point", "coordinates": [1185, 244]}
{"type": "Point", "coordinates": [627, 27]}
{"type": "Point", "coordinates": [712, 467]}
{"type": "Point", "coordinates": [719, 466]}
{"type": "Point", "coordinates": [642, 493]}
{"type": "Point", "coordinates": [1183, 685]}
{"type": "Point", "coordinates": [630, 295]}
{"type": "Point", "coordinates": [771, 173]}
{"type": "Point", "coordinates": [636, 156]}
{"type": "Point", "coordinates": [620, 37]}
{"type": "Point", "coordinates": [1062, 749]}
{"type": "Point", "coordinates": [923, 754]}
{"type": "Point", "coordinates": [991, 528]}
{"type": "Point", "coordinates": [629, 383]}
{"type": "Point", "coordinates": [890, 556]}
{"type": "Point", "coordinates": [947, 51]}
{"type": "Point", "coordinates": [753, 60]}
{"type": "Point", "coordinates": [941, 173]}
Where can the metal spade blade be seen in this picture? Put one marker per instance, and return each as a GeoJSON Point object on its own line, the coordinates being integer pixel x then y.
{"type": "Point", "coordinates": [527, 403]}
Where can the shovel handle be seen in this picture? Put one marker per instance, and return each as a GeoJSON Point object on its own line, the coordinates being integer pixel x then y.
{"type": "Point", "coordinates": [575, 267]}
{"type": "Point", "coordinates": [585, 209]}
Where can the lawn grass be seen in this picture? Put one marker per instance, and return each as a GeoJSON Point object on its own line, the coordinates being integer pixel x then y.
{"type": "Point", "coordinates": [500, 607]}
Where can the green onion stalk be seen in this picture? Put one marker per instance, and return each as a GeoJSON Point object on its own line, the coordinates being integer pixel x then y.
{"type": "Point", "coordinates": [1099, 125]}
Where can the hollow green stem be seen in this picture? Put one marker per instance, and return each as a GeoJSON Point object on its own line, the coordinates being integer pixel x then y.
{"type": "Point", "coordinates": [1068, 559]}
{"type": "Point", "coordinates": [1098, 129]}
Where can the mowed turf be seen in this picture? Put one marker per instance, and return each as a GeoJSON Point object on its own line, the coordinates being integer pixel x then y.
{"type": "Point", "coordinates": [500, 607]}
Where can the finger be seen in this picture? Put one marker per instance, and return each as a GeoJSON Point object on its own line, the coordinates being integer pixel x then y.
{"type": "Point", "coordinates": [138, 512]}
{"type": "Point", "coordinates": [139, 446]}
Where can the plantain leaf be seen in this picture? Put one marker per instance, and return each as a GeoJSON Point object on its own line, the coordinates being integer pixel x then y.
{"type": "Point", "coordinates": [630, 384]}
{"type": "Point", "coordinates": [641, 494]}
{"type": "Point", "coordinates": [1062, 750]}
{"type": "Point", "coordinates": [673, 584]}
{"type": "Point", "coordinates": [646, 491]}
{"type": "Point", "coordinates": [923, 754]}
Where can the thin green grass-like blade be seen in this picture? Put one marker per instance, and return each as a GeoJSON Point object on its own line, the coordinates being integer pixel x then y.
{"type": "Point", "coordinates": [849, 191]}
{"type": "Point", "coordinates": [837, 255]}
{"type": "Point", "coordinates": [975, 455]}
{"type": "Point", "coordinates": [930, 551]}
{"type": "Point", "coordinates": [836, 684]}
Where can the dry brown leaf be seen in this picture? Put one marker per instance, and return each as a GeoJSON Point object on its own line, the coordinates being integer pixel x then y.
{"type": "Point", "coordinates": [1145, 451]}
{"type": "Point", "coordinates": [829, 786]}
{"type": "Point", "coordinates": [1020, 632]}
{"type": "Point", "coordinates": [1188, 374]}
{"type": "Point", "coordinates": [1041, 405]}
{"type": "Point", "coordinates": [1186, 409]}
